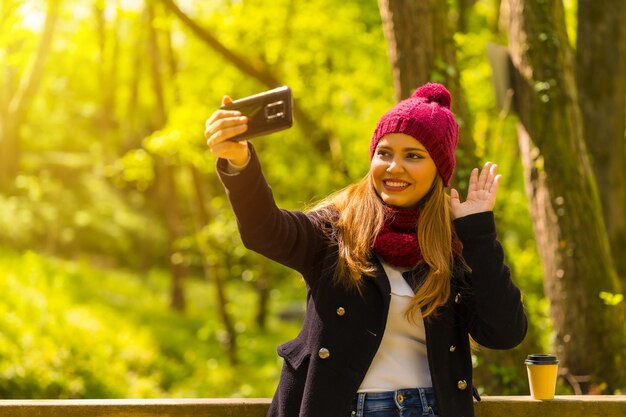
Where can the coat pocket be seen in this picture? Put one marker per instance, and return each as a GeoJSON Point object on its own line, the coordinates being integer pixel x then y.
{"type": "Point", "coordinates": [294, 353]}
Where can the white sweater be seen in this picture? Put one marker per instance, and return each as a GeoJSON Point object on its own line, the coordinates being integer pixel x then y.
{"type": "Point", "coordinates": [401, 360]}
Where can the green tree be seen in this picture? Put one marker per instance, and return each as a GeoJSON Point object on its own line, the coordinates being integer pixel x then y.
{"type": "Point", "coordinates": [601, 83]}
{"type": "Point", "coordinates": [19, 86]}
{"type": "Point", "coordinates": [565, 204]}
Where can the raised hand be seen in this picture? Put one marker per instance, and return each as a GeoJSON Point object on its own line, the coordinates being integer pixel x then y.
{"type": "Point", "coordinates": [481, 193]}
{"type": "Point", "coordinates": [222, 126]}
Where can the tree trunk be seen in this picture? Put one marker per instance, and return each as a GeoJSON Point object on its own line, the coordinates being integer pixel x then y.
{"type": "Point", "coordinates": [211, 273]}
{"type": "Point", "coordinates": [409, 33]}
{"type": "Point", "coordinates": [169, 200]}
{"type": "Point", "coordinates": [263, 294]}
{"type": "Point", "coordinates": [421, 49]}
{"type": "Point", "coordinates": [601, 82]}
{"type": "Point", "coordinates": [565, 206]}
{"type": "Point", "coordinates": [133, 134]}
{"type": "Point", "coordinates": [108, 61]}
{"type": "Point", "coordinates": [18, 104]}
{"type": "Point", "coordinates": [9, 150]}
{"type": "Point", "coordinates": [167, 179]}
{"type": "Point", "coordinates": [464, 10]}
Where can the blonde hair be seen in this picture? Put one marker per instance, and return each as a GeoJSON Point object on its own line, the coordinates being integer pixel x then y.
{"type": "Point", "coordinates": [358, 215]}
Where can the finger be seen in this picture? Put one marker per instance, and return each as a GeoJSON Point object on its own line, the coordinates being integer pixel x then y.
{"type": "Point", "coordinates": [226, 123]}
{"type": "Point", "coordinates": [225, 134]}
{"type": "Point", "coordinates": [484, 173]}
{"type": "Point", "coordinates": [221, 114]}
{"type": "Point", "coordinates": [493, 170]}
{"type": "Point", "coordinates": [455, 203]}
{"type": "Point", "coordinates": [473, 181]}
{"type": "Point", "coordinates": [454, 195]}
{"type": "Point", "coordinates": [494, 186]}
{"type": "Point", "coordinates": [226, 100]}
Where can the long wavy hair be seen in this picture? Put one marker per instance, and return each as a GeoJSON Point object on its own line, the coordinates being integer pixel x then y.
{"type": "Point", "coordinates": [358, 214]}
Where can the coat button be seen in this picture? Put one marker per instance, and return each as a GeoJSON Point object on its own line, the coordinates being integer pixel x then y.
{"type": "Point", "coordinates": [462, 385]}
{"type": "Point", "coordinates": [341, 311]}
{"type": "Point", "coordinates": [323, 353]}
{"type": "Point", "coordinates": [452, 348]}
{"type": "Point", "coordinates": [457, 298]}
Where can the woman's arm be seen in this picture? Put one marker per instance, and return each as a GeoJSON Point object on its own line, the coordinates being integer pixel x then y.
{"type": "Point", "coordinates": [288, 237]}
{"type": "Point", "coordinates": [496, 314]}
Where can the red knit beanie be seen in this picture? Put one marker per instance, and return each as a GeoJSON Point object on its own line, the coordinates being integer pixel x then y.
{"type": "Point", "coordinates": [426, 116]}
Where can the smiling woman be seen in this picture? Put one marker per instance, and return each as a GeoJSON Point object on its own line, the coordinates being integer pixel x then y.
{"type": "Point", "coordinates": [398, 273]}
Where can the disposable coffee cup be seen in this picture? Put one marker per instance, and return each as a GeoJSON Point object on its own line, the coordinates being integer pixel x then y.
{"type": "Point", "coordinates": [542, 372]}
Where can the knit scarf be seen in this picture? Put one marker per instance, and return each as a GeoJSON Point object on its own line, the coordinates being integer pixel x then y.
{"type": "Point", "coordinates": [397, 243]}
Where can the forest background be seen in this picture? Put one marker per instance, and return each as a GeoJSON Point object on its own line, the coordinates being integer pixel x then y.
{"type": "Point", "coordinates": [121, 270]}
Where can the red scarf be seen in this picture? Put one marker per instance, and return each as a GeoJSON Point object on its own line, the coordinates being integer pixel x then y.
{"type": "Point", "coordinates": [397, 243]}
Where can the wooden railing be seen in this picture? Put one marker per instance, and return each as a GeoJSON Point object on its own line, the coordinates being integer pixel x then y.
{"type": "Point", "coordinates": [561, 406]}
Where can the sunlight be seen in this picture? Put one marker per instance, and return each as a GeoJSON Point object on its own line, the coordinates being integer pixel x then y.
{"type": "Point", "coordinates": [131, 5]}
{"type": "Point", "coordinates": [34, 16]}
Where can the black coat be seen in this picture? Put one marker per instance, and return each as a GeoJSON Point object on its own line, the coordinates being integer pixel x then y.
{"type": "Point", "coordinates": [325, 364]}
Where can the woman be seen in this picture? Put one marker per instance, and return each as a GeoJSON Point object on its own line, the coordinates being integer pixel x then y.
{"type": "Point", "coordinates": [398, 273]}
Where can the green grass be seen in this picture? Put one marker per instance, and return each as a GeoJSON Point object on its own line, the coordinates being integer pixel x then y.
{"type": "Point", "coordinates": [69, 330]}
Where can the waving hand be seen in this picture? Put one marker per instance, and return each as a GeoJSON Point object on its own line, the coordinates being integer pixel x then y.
{"type": "Point", "coordinates": [481, 193]}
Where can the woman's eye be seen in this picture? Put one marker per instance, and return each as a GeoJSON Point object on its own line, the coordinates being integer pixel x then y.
{"type": "Point", "coordinates": [382, 153]}
{"type": "Point", "coordinates": [414, 156]}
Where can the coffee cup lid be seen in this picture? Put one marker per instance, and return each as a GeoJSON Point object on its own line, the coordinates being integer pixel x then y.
{"type": "Point", "coordinates": [541, 359]}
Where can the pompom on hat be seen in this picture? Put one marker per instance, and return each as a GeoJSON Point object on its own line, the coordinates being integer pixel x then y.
{"type": "Point", "coordinates": [427, 117]}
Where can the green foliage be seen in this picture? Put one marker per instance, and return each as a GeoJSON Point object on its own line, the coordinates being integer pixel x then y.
{"type": "Point", "coordinates": [611, 299]}
{"type": "Point", "coordinates": [70, 331]}
{"type": "Point", "coordinates": [93, 217]}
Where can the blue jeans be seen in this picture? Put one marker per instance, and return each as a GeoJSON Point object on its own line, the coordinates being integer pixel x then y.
{"type": "Point", "coordinates": [407, 402]}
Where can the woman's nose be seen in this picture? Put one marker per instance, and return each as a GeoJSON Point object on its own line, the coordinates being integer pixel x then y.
{"type": "Point", "coordinates": [394, 166]}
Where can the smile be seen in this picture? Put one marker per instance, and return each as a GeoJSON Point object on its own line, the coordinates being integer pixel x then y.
{"type": "Point", "coordinates": [395, 184]}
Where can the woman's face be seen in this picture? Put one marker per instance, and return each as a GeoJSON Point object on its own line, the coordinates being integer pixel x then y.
{"type": "Point", "coordinates": [402, 170]}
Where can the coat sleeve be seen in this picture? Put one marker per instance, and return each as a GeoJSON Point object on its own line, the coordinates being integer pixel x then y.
{"type": "Point", "coordinates": [496, 314]}
{"type": "Point", "coordinates": [288, 237]}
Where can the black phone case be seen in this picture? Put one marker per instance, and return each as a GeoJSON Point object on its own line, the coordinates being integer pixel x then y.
{"type": "Point", "coordinates": [267, 112]}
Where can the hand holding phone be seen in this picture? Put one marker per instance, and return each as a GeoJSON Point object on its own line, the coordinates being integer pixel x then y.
{"type": "Point", "coordinates": [267, 112]}
{"type": "Point", "coordinates": [220, 129]}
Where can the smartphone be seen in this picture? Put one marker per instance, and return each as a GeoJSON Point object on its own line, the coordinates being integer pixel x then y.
{"type": "Point", "coordinates": [267, 112]}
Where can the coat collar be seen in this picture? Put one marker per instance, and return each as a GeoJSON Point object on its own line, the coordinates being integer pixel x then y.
{"type": "Point", "coordinates": [381, 280]}
{"type": "Point", "coordinates": [414, 277]}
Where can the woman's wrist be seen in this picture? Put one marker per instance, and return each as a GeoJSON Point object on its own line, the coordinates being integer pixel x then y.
{"type": "Point", "coordinates": [237, 166]}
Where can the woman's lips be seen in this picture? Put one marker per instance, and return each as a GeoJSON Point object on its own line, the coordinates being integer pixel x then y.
{"type": "Point", "coordinates": [395, 184]}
